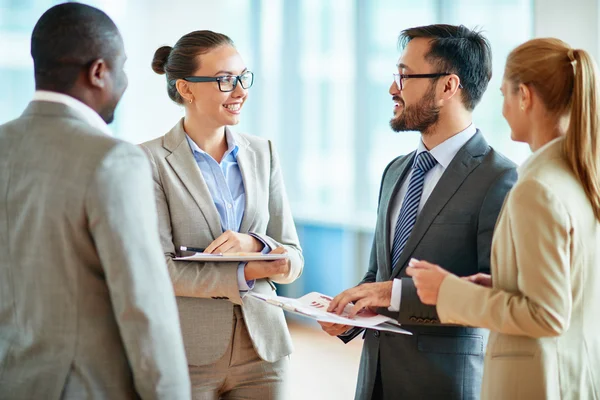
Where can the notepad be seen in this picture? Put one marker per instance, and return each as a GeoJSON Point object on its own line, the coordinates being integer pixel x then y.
{"type": "Point", "coordinates": [230, 257]}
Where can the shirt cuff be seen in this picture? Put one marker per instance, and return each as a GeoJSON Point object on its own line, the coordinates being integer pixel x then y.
{"type": "Point", "coordinates": [244, 286]}
{"type": "Point", "coordinates": [266, 249]}
{"type": "Point", "coordinates": [396, 296]}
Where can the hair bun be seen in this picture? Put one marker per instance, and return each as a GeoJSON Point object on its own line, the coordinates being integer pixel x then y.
{"type": "Point", "coordinates": [161, 56]}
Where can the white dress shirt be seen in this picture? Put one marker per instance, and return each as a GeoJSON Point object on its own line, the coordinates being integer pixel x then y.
{"type": "Point", "coordinates": [443, 153]}
{"type": "Point", "coordinates": [90, 116]}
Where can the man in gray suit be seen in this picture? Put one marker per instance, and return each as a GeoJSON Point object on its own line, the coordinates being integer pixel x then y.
{"type": "Point", "coordinates": [440, 203]}
{"type": "Point", "coordinates": [87, 310]}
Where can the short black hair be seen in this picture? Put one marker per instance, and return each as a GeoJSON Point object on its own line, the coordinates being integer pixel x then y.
{"type": "Point", "coordinates": [66, 38]}
{"type": "Point", "coordinates": [458, 50]}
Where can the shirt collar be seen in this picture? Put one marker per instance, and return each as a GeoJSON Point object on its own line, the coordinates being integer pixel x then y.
{"type": "Point", "coordinates": [232, 146]}
{"type": "Point", "coordinates": [445, 151]}
{"type": "Point", "coordinates": [90, 116]}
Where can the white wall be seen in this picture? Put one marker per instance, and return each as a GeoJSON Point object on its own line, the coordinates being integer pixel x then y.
{"type": "Point", "coordinates": [574, 21]}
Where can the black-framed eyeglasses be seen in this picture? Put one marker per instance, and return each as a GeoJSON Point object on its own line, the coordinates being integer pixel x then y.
{"type": "Point", "coordinates": [399, 78]}
{"type": "Point", "coordinates": [227, 83]}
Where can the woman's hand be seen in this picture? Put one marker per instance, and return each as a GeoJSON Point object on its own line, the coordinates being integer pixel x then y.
{"type": "Point", "coordinates": [427, 278]}
{"type": "Point", "coordinates": [234, 242]}
{"type": "Point", "coordinates": [266, 269]}
{"type": "Point", "coordinates": [480, 279]}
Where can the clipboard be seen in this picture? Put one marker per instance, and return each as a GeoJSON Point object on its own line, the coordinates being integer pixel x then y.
{"type": "Point", "coordinates": [232, 257]}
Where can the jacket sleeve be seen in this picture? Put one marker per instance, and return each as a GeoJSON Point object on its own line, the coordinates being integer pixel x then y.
{"type": "Point", "coordinates": [539, 231]}
{"type": "Point", "coordinates": [371, 274]}
{"type": "Point", "coordinates": [122, 220]}
{"type": "Point", "coordinates": [281, 230]}
{"type": "Point", "coordinates": [192, 278]}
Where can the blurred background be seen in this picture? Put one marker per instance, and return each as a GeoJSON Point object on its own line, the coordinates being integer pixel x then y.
{"type": "Point", "coordinates": [322, 73]}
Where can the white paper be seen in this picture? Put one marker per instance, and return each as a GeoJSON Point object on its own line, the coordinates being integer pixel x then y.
{"type": "Point", "coordinates": [314, 305]}
{"type": "Point", "coordinates": [239, 257]}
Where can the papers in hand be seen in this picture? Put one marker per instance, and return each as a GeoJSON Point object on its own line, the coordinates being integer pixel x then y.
{"type": "Point", "coordinates": [314, 305]}
{"type": "Point", "coordinates": [240, 257]}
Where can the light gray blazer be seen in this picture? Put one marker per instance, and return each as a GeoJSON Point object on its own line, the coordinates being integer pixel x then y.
{"type": "Point", "coordinates": [207, 292]}
{"type": "Point", "coordinates": [454, 230]}
{"type": "Point", "coordinates": [86, 309]}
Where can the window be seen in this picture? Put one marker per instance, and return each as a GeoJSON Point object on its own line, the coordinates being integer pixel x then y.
{"type": "Point", "coordinates": [322, 68]}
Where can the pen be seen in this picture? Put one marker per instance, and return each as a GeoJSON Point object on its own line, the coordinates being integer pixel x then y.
{"type": "Point", "coordinates": [196, 249]}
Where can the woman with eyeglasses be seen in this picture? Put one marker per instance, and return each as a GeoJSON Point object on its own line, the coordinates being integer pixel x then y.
{"type": "Point", "coordinates": [224, 192]}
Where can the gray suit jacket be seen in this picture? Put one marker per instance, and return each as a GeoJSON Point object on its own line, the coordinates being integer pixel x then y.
{"type": "Point", "coordinates": [86, 309]}
{"type": "Point", "coordinates": [454, 230]}
{"type": "Point", "coordinates": [207, 292]}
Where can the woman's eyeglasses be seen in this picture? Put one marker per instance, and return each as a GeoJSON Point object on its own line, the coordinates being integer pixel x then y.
{"type": "Point", "coordinates": [226, 83]}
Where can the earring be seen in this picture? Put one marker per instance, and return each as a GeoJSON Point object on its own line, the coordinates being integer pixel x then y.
{"type": "Point", "coordinates": [191, 101]}
{"type": "Point", "coordinates": [522, 107]}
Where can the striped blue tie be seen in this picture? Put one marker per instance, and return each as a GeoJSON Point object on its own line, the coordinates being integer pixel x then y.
{"type": "Point", "coordinates": [408, 213]}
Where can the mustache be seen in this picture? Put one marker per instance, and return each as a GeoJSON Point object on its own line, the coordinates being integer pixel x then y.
{"type": "Point", "coordinates": [397, 99]}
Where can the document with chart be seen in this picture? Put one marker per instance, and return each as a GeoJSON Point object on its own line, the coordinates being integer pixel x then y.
{"type": "Point", "coordinates": [314, 305]}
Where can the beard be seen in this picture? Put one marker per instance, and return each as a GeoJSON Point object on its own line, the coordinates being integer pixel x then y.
{"type": "Point", "coordinates": [420, 117]}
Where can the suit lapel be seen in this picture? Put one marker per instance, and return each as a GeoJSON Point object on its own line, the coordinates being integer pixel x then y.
{"type": "Point", "coordinates": [465, 161]}
{"type": "Point", "coordinates": [183, 163]}
{"type": "Point", "coordinates": [246, 159]}
{"type": "Point", "coordinates": [389, 190]}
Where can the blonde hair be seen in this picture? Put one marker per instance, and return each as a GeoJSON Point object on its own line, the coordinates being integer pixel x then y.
{"type": "Point", "coordinates": [566, 81]}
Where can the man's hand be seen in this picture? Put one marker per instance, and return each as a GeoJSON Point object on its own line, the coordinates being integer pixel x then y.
{"type": "Point", "coordinates": [334, 329]}
{"type": "Point", "coordinates": [266, 269]}
{"type": "Point", "coordinates": [480, 279]}
{"type": "Point", "coordinates": [234, 242]}
{"type": "Point", "coordinates": [427, 279]}
{"type": "Point", "coordinates": [367, 295]}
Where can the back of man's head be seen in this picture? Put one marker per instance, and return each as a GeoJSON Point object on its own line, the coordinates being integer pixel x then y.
{"type": "Point", "coordinates": [67, 38]}
{"type": "Point", "coordinates": [458, 50]}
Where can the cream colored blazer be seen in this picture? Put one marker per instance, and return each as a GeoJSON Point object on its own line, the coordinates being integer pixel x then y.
{"type": "Point", "coordinates": [544, 307]}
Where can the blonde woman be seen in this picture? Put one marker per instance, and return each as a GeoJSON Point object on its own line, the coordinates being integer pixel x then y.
{"type": "Point", "coordinates": [543, 302]}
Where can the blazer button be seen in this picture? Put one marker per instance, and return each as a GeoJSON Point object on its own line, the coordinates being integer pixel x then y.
{"type": "Point", "coordinates": [376, 333]}
{"type": "Point", "coordinates": [214, 298]}
{"type": "Point", "coordinates": [420, 320]}
{"type": "Point", "coordinates": [225, 298]}
{"type": "Point", "coordinates": [413, 319]}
